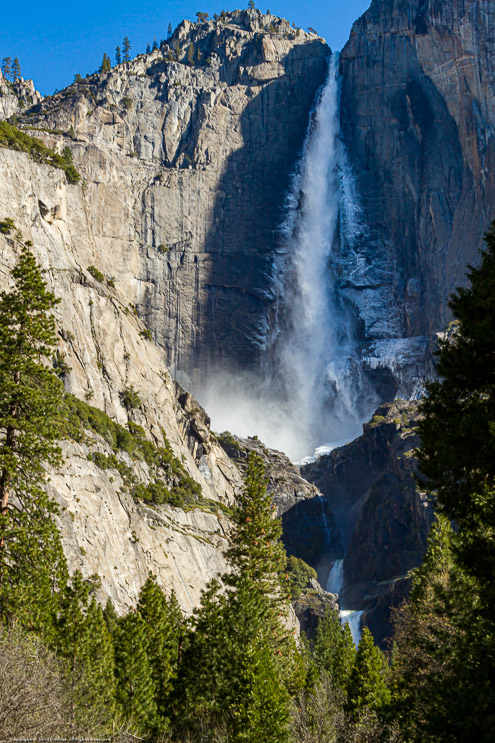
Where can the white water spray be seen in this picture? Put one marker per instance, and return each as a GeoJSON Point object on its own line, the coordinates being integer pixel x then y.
{"type": "Point", "coordinates": [335, 581]}
{"type": "Point", "coordinates": [313, 353]}
{"type": "Point", "coordinates": [353, 619]}
{"type": "Point", "coordinates": [310, 391]}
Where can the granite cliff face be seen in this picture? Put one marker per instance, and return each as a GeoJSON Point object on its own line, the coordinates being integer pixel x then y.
{"type": "Point", "coordinates": [183, 155]}
{"type": "Point", "coordinates": [103, 351]}
{"type": "Point", "coordinates": [186, 156]}
{"type": "Point", "coordinates": [380, 512]}
{"type": "Point", "coordinates": [418, 120]}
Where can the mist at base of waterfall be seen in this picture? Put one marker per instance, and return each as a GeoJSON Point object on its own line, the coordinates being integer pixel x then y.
{"type": "Point", "coordinates": [243, 404]}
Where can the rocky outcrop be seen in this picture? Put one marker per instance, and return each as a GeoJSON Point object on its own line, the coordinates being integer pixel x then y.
{"type": "Point", "coordinates": [418, 120]}
{"type": "Point", "coordinates": [380, 511]}
{"type": "Point", "coordinates": [311, 606]}
{"type": "Point", "coordinates": [17, 96]}
{"type": "Point", "coordinates": [186, 155]}
{"type": "Point", "coordinates": [308, 525]}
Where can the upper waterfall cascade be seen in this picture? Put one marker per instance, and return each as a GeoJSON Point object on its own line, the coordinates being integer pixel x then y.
{"type": "Point", "coordinates": [311, 390]}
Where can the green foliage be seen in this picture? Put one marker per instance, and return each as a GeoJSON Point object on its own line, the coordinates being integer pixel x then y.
{"type": "Point", "coordinates": [256, 550]}
{"type": "Point", "coordinates": [367, 688]}
{"type": "Point", "coordinates": [7, 226]}
{"type": "Point", "coordinates": [227, 441]}
{"type": "Point", "coordinates": [146, 333]}
{"type": "Point", "coordinates": [239, 663]}
{"type": "Point", "coordinates": [190, 55]}
{"type": "Point", "coordinates": [135, 688]}
{"type": "Point", "coordinates": [16, 70]}
{"type": "Point", "coordinates": [106, 65]}
{"type": "Point", "coordinates": [96, 274]}
{"type": "Point", "coordinates": [61, 367]}
{"type": "Point", "coordinates": [376, 421]}
{"type": "Point", "coordinates": [458, 449]}
{"type": "Point", "coordinates": [444, 652]}
{"type": "Point", "coordinates": [7, 68]}
{"type": "Point", "coordinates": [15, 139]}
{"type": "Point", "coordinates": [170, 482]}
{"type": "Point", "coordinates": [83, 640]}
{"type": "Point", "coordinates": [130, 398]}
{"type": "Point", "coordinates": [126, 102]}
{"type": "Point", "coordinates": [458, 426]}
{"type": "Point", "coordinates": [32, 566]}
{"type": "Point", "coordinates": [445, 636]}
{"type": "Point", "coordinates": [118, 55]}
{"type": "Point", "coordinates": [334, 651]}
{"type": "Point", "coordinates": [126, 48]}
{"type": "Point", "coordinates": [299, 574]}
{"type": "Point", "coordinates": [110, 616]}
{"type": "Point", "coordinates": [163, 619]}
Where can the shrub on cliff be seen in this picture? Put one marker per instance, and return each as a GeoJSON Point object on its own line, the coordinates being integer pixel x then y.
{"type": "Point", "coordinates": [15, 139]}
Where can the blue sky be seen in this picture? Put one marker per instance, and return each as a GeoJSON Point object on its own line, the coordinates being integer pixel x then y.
{"type": "Point", "coordinates": [53, 40]}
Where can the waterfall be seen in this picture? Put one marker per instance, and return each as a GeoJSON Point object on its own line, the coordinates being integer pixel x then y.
{"type": "Point", "coordinates": [324, 518]}
{"type": "Point", "coordinates": [335, 581]}
{"type": "Point", "coordinates": [353, 619]}
{"type": "Point", "coordinates": [312, 347]}
{"type": "Point", "coordinates": [310, 390]}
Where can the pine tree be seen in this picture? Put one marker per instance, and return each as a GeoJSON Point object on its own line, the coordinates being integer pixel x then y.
{"type": "Point", "coordinates": [239, 663]}
{"type": "Point", "coordinates": [16, 70]}
{"type": "Point", "coordinates": [457, 455]}
{"type": "Point", "coordinates": [367, 688]}
{"type": "Point", "coordinates": [163, 629]}
{"type": "Point", "coordinates": [126, 47]}
{"type": "Point", "coordinates": [169, 31]}
{"type": "Point", "coordinates": [83, 640]}
{"type": "Point", "coordinates": [136, 693]}
{"type": "Point", "coordinates": [32, 565]}
{"type": "Point", "coordinates": [251, 4]}
{"type": "Point", "coordinates": [7, 68]}
{"type": "Point", "coordinates": [118, 55]}
{"type": "Point", "coordinates": [155, 44]}
{"type": "Point", "coordinates": [106, 65]}
{"type": "Point", "coordinates": [110, 616]}
{"type": "Point", "coordinates": [256, 549]}
{"type": "Point", "coordinates": [77, 77]}
{"type": "Point", "coordinates": [444, 652]}
{"type": "Point", "coordinates": [444, 662]}
{"type": "Point", "coordinates": [333, 649]}
{"type": "Point", "coordinates": [148, 49]}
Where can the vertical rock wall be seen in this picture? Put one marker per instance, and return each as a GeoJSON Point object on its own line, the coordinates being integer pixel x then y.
{"type": "Point", "coordinates": [418, 117]}
{"type": "Point", "coordinates": [185, 156]}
